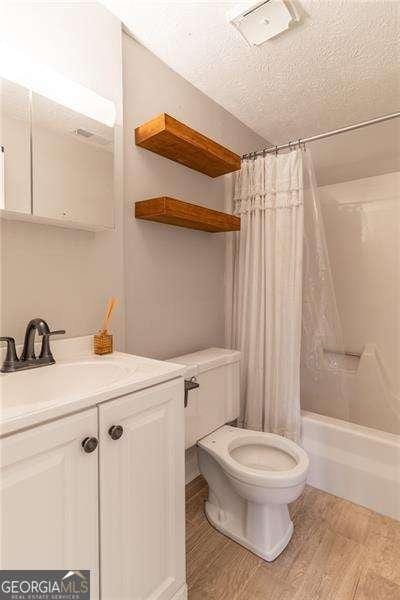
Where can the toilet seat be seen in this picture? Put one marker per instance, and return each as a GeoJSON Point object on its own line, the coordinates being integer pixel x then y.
{"type": "Point", "coordinates": [284, 466]}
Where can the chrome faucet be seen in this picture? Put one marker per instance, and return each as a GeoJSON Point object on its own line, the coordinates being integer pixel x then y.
{"type": "Point", "coordinates": [28, 359]}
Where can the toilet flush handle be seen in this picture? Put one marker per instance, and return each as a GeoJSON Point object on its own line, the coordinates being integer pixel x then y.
{"type": "Point", "coordinates": [190, 384]}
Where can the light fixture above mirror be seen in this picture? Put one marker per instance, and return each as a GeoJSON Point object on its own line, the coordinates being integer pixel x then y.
{"type": "Point", "coordinates": [47, 82]}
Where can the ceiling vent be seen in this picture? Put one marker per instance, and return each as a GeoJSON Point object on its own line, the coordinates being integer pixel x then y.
{"type": "Point", "coordinates": [83, 133]}
{"type": "Point", "coordinates": [93, 137]}
{"type": "Point", "coordinates": [260, 21]}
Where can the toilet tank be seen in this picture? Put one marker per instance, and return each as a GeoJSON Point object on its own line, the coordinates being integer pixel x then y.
{"type": "Point", "coordinates": [216, 401]}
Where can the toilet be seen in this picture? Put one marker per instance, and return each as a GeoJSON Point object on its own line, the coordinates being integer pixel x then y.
{"type": "Point", "coordinates": [252, 476]}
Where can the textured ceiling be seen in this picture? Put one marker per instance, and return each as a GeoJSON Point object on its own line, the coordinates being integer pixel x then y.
{"type": "Point", "coordinates": [339, 65]}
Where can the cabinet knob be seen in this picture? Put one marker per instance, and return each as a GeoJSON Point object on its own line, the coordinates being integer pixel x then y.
{"type": "Point", "coordinates": [89, 444]}
{"type": "Point", "coordinates": [115, 432]}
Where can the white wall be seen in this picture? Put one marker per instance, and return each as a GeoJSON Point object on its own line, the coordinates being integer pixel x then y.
{"type": "Point", "coordinates": [63, 275]}
{"type": "Point", "coordinates": [174, 276]}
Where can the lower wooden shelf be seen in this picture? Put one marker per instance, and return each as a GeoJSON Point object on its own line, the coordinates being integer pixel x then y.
{"type": "Point", "coordinates": [185, 214]}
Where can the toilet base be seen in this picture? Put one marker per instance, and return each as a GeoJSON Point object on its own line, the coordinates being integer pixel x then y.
{"type": "Point", "coordinates": [233, 530]}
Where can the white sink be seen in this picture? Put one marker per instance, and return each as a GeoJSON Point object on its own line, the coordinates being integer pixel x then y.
{"type": "Point", "coordinates": [74, 383]}
{"type": "Point", "coordinates": [62, 380]}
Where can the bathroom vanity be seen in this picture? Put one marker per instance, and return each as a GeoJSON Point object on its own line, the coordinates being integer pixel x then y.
{"type": "Point", "coordinates": [92, 471]}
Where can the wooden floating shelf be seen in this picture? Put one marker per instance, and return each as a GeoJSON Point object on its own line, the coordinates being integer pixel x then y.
{"type": "Point", "coordinates": [169, 137]}
{"type": "Point", "coordinates": [184, 214]}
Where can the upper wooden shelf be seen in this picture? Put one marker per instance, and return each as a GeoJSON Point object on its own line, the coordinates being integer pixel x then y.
{"type": "Point", "coordinates": [185, 214]}
{"type": "Point", "coordinates": [169, 137]}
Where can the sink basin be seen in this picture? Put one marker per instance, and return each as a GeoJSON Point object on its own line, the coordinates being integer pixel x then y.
{"type": "Point", "coordinates": [78, 380]}
{"type": "Point", "coordinates": [64, 379]}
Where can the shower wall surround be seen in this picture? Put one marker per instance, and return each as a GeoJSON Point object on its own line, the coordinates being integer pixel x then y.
{"type": "Point", "coordinates": [362, 226]}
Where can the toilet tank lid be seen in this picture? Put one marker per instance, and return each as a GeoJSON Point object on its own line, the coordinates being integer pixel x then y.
{"type": "Point", "coordinates": [203, 360]}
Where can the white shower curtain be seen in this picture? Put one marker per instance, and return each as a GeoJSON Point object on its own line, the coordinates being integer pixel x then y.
{"type": "Point", "coordinates": [267, 290]}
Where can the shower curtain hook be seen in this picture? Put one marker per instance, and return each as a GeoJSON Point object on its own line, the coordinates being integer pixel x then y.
{"type": "Point", "coordinates": [299, 142]}
{"type": "Point", "coordinates": [276, 150]}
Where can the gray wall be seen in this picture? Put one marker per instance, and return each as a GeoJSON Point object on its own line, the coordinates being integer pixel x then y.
{"type": "Point", "coordinates": [174, 277]}
{"type": "Point", "coordinates": [65, 275]}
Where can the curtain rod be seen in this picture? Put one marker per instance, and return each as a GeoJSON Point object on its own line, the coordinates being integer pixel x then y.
{"type": "Point", "coordinates": [321, 136]}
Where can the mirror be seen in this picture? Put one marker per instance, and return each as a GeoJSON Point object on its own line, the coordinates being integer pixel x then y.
{"type": "Point", "coordinates": [15, 159]}
{"type": "Point", "coordinates": [72, 165]}
{"type": "Point", "coordinates": [55, 163]}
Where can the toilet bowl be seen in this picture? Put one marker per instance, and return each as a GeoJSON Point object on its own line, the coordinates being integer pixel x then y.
{"type": "Point", "coordinates": [252, 477]}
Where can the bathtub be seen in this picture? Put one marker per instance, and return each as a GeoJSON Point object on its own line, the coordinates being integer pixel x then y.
{"type": "Point", "coordinates": [357, 463]}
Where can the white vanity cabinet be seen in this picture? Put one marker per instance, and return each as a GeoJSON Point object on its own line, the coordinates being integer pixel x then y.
{"type": "Point", "coordinates": [49, 497]}
{"type": "Point", "coordinates": [142, 495]}
{"type": "Point", "coordinates": [57, 501]}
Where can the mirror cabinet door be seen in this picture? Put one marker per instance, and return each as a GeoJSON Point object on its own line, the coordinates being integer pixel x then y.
{"type": "Point", "coordinates": [72, 165]}
{"type": "Point", "coordinates": [15, 158]}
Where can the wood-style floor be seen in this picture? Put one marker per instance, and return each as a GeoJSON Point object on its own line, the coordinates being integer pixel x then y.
{"type": "Point", "coordinates": [339, 551]}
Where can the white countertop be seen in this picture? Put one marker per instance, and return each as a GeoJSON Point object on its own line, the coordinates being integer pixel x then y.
{"type": "Point", "coordinates": [78, 380]}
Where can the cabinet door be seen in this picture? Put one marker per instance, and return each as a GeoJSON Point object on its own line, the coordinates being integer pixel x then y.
{"type": "Point", "coordinates": [15, 159]}
{"type": "Point", "coordinates": [72, 165]}
{"type": "Point", "coordinates": [48, 493]}
{"type": "Point", "coordinates": [142, 495]}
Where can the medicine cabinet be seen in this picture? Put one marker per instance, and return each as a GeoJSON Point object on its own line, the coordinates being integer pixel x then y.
{"type": "Point", "coordinates": [56, 164]}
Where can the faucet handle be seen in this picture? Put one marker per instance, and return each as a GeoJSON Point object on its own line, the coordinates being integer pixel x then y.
{"type": "Point", "coordinates": [59, 332]}
{"type": "Point", "coordinates": [11, 354]}
{"type": "Point", "coordinates": [46, 352]}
